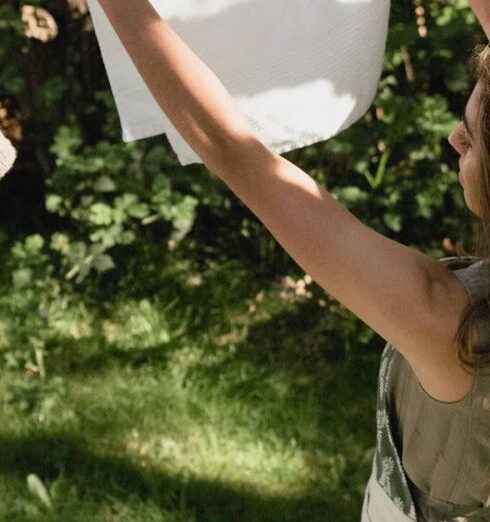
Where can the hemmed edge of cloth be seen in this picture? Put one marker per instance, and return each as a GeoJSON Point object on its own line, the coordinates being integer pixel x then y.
{"type": "Point", "coordinates": [142, 130]}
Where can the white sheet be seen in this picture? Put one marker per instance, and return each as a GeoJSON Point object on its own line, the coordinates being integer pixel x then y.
{"type": "Point", "coordinates": [378, 506]}
{"type": "Point", "coordinates": [301, 71]}
{"type": "Point", "coordinates": [7, 155]}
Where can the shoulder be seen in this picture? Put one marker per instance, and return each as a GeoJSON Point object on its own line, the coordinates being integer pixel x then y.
{"type": "Point", "coordinates": [473, 273]}
{"type": "Point", "coordinates": [438, 368]}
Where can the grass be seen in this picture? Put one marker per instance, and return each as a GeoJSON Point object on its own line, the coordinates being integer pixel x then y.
{"type": "Point", "coordinates": [158, 413]}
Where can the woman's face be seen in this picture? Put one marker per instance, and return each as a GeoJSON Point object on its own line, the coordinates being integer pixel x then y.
{"type": "Point", "coordinates": [462, 139]}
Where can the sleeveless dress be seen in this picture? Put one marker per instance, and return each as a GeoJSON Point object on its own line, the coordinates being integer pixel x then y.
{"type": "Point", "coordinates": [432, 459]}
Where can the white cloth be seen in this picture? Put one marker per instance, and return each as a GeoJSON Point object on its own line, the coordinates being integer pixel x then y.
{"type": "Point", "coordinates": [299, 70]}
{"type": "Point", "coordinates": [7, 155]}
{"type": "Point", "coordinates": [378, 506]}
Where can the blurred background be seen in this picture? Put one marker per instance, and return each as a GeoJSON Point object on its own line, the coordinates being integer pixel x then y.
{"type": "Point", "coordinates": [163, 359]}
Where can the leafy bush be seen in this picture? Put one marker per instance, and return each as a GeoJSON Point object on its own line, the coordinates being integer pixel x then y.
{"type": "Point", "coordinates": [116, 217]}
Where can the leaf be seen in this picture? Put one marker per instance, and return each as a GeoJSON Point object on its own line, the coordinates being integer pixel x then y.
{"type": "Point", "coordinates": [53, 90]}
{"type": "Point", "coordinates": [53, 203]}
{"type": "Point", "coordinates": [14, 85]}
{"type": "Point", "coordinates": [138, 210]}
{"type": "Point", "coordinates": [351, 194]}
{"type": "Point", "coordinates": [156, 159]}
{"type": "Point", "coordinates": [34, 243]}
{"type": "Point", "coordinates": [38, 489]}
{"type": "Point", "coordinates": [67, 140]}
{"type": "Point", "coordinates": [103, 263]}
{"type": "Point", "coordinates": [184, 213]}
{"type": "Point", "coordinates": [100, 214]}
{"type": "Point", "coordinates": [162, 184]}
{"type": "Point", "coordinates": [104, 184]}
{"type": "Point", "coordinates": [393, 221]}
{"type": "Point", "coordinates": [22, 277]}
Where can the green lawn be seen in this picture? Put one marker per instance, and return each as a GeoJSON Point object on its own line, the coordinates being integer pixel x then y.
{"type": "Point", "coordinates": [201, 410]}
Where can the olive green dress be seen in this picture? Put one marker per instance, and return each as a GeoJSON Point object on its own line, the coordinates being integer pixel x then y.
{"type": "Point", "coordinates": [432, 459]}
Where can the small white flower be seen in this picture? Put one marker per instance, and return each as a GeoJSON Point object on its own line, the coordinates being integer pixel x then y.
{"type": "Point", "coordinates": [384, 480]}
{"type": "Point", "coordinates": [398, 503]}
{"type": "Point", "coordinates": [382, 424]}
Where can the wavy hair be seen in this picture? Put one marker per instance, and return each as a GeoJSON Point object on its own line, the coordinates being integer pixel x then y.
{"type": "Point", "coordinates": [474, 352]}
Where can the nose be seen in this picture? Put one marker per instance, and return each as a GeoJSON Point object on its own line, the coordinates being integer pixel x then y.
{"type": "Point", "coordinates": [452, 139]}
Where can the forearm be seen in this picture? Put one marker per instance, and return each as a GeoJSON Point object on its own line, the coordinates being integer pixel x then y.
{"type": "Point", "coordinates": [189, 93]}
{"type": "Point", "coordinates": [481, 8]}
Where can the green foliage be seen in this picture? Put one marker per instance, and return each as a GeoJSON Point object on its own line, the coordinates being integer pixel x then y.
{"type": "Point", "coordinates": [111, 197]}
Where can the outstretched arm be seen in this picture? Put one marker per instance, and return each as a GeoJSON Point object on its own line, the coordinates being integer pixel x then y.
{"type": "Point", "coordinates": [409, 299]}
{"type": "Point", "coordinates": [481, 8]}
{"type": "Point", "coordinates": [192, 97]}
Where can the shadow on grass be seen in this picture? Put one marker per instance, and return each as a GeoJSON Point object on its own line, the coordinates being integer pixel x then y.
{"type": "Point", "coordinates": [292, 350]}
{"type": "Point", "coordinates": [301, 346]}
{"type": "Point", "coordinates": [291, 343]}
{"type": "Point", "coordinates": [78, 358]}
{"type": "Point", "coordinates": [102, 477]}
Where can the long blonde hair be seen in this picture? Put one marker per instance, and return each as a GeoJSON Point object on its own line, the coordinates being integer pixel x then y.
{"type": "Point", "coordinates": [473, 351]}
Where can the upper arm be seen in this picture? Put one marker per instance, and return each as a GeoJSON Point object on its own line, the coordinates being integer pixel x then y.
{"type": "Point", "coordinates": [408, 298]}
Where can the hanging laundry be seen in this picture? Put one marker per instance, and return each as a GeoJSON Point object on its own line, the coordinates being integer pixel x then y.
{"type": "Point", "coordinates": [301, 71]}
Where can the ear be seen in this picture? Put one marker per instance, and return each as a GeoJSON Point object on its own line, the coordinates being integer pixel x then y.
{"type": "Point", "coordinates": [7, 155]}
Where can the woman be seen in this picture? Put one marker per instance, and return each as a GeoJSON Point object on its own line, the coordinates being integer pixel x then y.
{"type": "Point", "coordinates": [433, 455]}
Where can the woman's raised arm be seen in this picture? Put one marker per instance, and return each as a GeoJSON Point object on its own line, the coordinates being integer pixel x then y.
{"type": "Point", "coordinates": [190, 94]}
{"type": "Point", "coordinates": [409, 299]}
{"type": "Point", "coordinates": [481, 8]}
